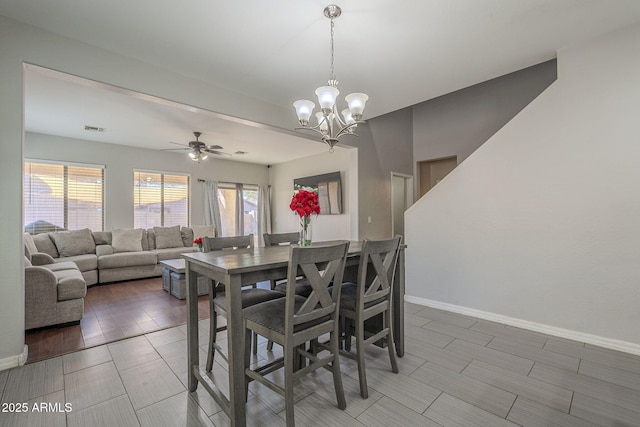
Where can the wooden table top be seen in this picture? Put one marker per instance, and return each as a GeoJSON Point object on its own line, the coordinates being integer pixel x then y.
{"type": "Point", "coordinates": [248, 260]}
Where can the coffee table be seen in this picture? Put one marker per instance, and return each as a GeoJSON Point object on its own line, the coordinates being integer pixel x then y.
{"type": "Point", "coordinates": [174, 282]}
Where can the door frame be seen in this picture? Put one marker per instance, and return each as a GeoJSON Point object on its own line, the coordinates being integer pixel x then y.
{"type": "Point", "coordinates": [409, 191]}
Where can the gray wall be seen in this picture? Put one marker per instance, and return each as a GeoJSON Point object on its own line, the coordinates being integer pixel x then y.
{"type": "Point", "coordinates": [455, 124]}
{"type": "Point", "coordinates": [120, 162]}
{"type": "Point", "coordinates": [458, 123]}
{"type": "Point", "coordinates": [539, 227]}
{"type": "Point", "coordinates": [384, 146]}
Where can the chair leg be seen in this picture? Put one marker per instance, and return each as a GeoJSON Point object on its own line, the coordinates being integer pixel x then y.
{"type": "Point", "coordinates": [213, 324]}
{"type": "Point", "coordinates": [247, 361]}
{"type": "Point", "coordinates": [390, 344]}
{"type": "Point", "coordinates": [289, 356]}
{"type": "Point", "coordinates": [362, 373]}
{"type": "Point", "coordinates": [347, 333]}
{"type": "Point", "coordinates": [337, 374]}
{"type": "Point", "coordinates": [255, 343]}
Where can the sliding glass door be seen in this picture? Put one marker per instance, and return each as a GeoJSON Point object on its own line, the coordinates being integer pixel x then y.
{"type": "Point", "coordinates": [238, 209]}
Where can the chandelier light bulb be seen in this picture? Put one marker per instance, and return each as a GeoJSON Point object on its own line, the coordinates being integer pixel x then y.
{"type": "Point", "coordinates": [356, 103]}
{"type": "Point", "coordinates": [192, 155]}
{"type": "Point", "coordinates": [348, 118]}
{"type": "Point", "coordinates": [304, 109]}
{"type": "Point", "coordinates": [203, 156]}
{"type": "Point", "coordinates": [327, 96]}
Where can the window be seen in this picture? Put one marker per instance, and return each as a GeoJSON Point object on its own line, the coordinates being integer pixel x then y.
{"type": "Point", "coordinates": [160, 200]}
{"type": "Point", "coordinates": [238, 209]}
{"type": "Point", "coordinates": [65, 196]}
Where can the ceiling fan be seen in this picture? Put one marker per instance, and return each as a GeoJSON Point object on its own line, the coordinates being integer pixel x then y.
{"type": "Point", "coordinates": [200, 150]}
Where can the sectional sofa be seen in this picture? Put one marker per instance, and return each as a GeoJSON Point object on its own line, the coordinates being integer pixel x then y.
{"type": "Point", "coordinates": [111, 256]}
{"type": "Point", "coordinates": [60, 265]}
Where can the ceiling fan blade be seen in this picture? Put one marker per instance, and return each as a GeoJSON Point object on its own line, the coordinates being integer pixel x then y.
{"type": "Point", "coordinates": [217, 153]}
{"type": "Point", "coordinates": [177, 143]}
{"type": "Point", "coordinates": [175, 149]}
{"type": "Point", "coordinates": [214, 147]}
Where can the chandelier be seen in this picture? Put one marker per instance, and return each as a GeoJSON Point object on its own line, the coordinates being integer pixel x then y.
{"type": "Point", "coordinates": [329, 123]}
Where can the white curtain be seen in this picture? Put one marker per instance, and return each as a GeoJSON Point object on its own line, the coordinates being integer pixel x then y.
{"type": "Point", "coordinates": [211, 207]}
{"type": "Point", "coordinates": [264, 212]}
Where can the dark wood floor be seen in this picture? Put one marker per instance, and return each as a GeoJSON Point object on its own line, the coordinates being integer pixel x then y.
{"type": "Point", "coordinates": [113, 312]}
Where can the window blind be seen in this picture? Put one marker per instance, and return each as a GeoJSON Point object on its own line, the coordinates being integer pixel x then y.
{"type": "Point", "coordinates": [160, 199]}
{"type": "Point", "coordinates": [63, 196]}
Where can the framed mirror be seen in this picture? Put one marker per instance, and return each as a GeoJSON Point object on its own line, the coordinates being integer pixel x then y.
{"type": "Point", "coordinates": [329, 188]}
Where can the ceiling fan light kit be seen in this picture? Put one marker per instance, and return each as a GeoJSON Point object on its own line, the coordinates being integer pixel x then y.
{"type": "Point", "coordinates": [329, 123]}
{"type": "Point", "coordinates": [200, 150]}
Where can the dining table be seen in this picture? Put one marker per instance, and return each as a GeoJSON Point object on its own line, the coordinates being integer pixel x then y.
{"type": "Point", "coordinates": [243, 267]}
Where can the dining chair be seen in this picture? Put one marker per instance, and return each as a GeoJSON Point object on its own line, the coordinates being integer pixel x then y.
{"type": "Point", "coordinates": [369, 297]}
{"type": "Point", "coordinates": [282, 239]}
{"type": "Point", "coordinates": [294, 320]}
{"type": "Point", "coordinates": [218, 304]}
{"type": "Point", "coordinates": [302, 285]}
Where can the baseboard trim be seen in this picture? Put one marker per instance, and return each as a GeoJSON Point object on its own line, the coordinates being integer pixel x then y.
{"type": "Point", "coordinates": [596, 340]}
{"type": "Point", "coordinates": [15, 361]}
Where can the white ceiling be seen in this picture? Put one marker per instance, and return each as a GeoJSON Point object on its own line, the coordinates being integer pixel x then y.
{"type": "Point", "coordinates": [399, 52]}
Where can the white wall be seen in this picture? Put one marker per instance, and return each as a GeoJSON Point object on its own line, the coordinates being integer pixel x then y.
{"type": "Point", "coordinates": [22, 43]}
{"type": "Point", "coordinates": [325, 227]}
{"type": "Point", "coordinates": [541, 223]}
{"type": "Point", "coordinates": [120, 162]}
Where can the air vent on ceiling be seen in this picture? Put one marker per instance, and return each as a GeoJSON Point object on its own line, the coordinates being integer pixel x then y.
{"type": "Point", "coordinates": [241, 153]}
{"type": "Point", "coordinates": [94, 129]}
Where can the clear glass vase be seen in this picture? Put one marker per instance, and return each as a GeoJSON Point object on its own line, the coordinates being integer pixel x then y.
{"type": "Point", "coordinates": [305, 231]}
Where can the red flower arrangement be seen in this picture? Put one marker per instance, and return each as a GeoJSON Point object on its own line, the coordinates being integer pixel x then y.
{"type": "Point", "coordinates": [198, 241]}
{"type": "Point", "coordinates": [304, 203]}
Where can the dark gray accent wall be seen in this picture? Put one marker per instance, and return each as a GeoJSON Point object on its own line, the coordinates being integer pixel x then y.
{"type": "Point", "coordinates": [456, 124]}
{"type": "Point", "coordinates": [385, 145]}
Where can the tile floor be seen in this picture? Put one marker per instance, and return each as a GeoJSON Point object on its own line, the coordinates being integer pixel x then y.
{"type": "Point", "coordinates": [458, 371]}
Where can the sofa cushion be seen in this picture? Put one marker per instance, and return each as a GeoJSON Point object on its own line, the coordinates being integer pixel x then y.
{"type": "Point", "coordinates": [151, 240]}
{"type": "Point", "coordinates": [173, 253]}
{"type": "Point", "coordinates": [168, 237]}
{"type": "Point", "coordinates": [127, 259]}
{"type": "Point", "coordinates": [85, 262]}
{"type": "Point", "coordinates": [187, 236]}
{"type": "Point", "coordinates": [74, 242]}
{"type": "Point", "coordinates": [27, 263]}
{"type": "Point", "coordinates": [145, 240]}
{"type": "Point", "coordinates": [71, 285]}
{"type": "Point", "coordinates": [203, 231]}
{"type": "Point", "coordinates": [59, 266]}
{"type": "Point", "coordinates": [45, 245]}
{"type": "Point", "coordinates": [101, 237]}
{"type": "Point", "coordinates": [30, 246]}
{"type": "Point", "coordinates": [127, 240]}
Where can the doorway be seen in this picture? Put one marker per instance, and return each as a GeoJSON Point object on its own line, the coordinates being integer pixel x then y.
{"type": "Point", "coordinates": [401, 199]}
{"type": "Point", "coordinates": [432, 172]}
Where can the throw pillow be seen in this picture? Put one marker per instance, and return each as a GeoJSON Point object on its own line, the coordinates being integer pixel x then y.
{"type": "Point", "coordinates": [45, 245]}
{"type": "Point", "coordinates": [168, 237]}
{"type": "Point", "coordinates": [127, 240]}
{"type": "Point", "coordinates": [187, 236]}
{"type": "Point", "coordinates": [75, 242]}
{"type": "Point", "coordinates": [203, 231]}
{"type": "Point", "coordinates": [102, 237]}
{"type": "Point", "coordinates": [29, 244]}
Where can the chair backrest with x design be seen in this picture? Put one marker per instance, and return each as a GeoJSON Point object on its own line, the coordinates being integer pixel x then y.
{"type": "Point", "coordinates": [376, 269]}
{"type": "Point", "coordinates": [321, 265]}
{"type": "Point", "coordinates": [225, 243]}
